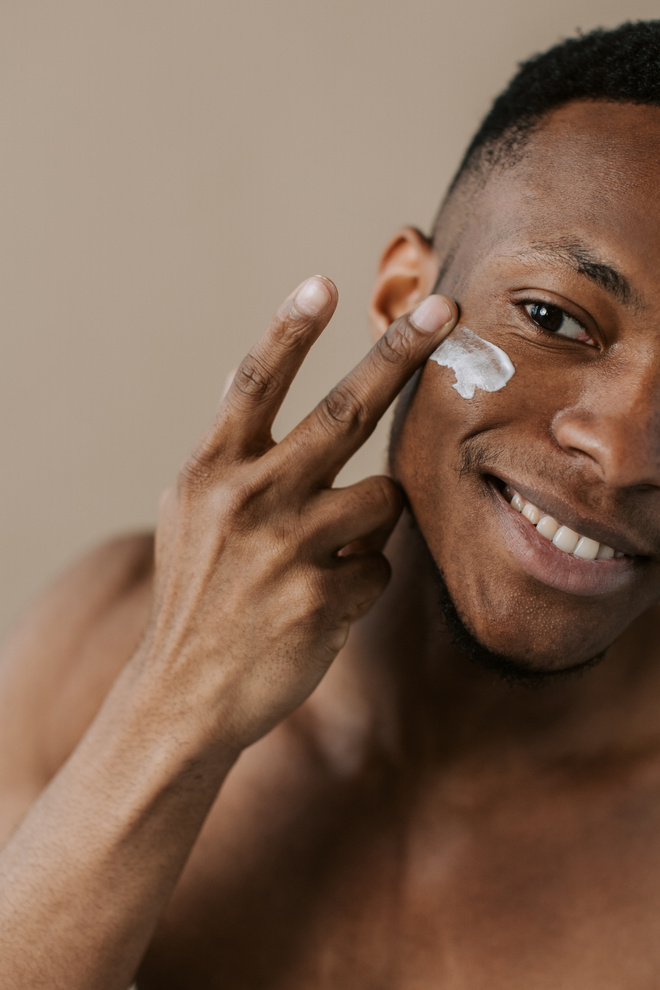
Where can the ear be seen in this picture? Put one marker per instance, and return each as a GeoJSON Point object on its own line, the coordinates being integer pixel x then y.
{"type": "Point", "coordinates": [406, 274]}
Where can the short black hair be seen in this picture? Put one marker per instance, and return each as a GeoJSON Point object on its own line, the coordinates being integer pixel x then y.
{"type": "Point", "coordinates": [619, 65]}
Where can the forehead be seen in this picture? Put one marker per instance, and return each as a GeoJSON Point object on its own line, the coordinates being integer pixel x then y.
{"type": "Point", "coordinates": [589, 174]}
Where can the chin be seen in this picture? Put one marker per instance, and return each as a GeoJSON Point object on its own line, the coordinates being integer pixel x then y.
{"type": "Point", "coordinates": [515, 598]}
{"type": "Point", "coordinates": [523, 638]}
{"type": "Point", "coordinates": [521, 648]}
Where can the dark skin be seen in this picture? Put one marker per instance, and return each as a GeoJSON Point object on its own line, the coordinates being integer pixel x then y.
{"type": "Point", "coordinates": [415, 822]}
{"type": "Point", "coordinates": [578, 424]}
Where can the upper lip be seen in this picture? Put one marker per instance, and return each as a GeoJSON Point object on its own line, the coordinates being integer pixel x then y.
{"type": "Point", "coordinates": [566, 515]}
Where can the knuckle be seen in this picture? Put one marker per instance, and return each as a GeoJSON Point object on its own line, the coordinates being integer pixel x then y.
{"type": "Point", "coordinates": [367, 576]}
{"type": "Point", "coordinates": [342, 409]}
{"type": "Point", "coordinates": [238, 500]}
{"type": "Point", "coordinates": [308, 597]}
{"type": "Point", "coordinates": [200, 468]}
{"type": "Point", "coordinates": [315, 610]}
{"type": "Point", "coordinates": [289, 329]}
{"type": "Point", "coordinates": [255, 379]}
{"type": "Point", "coordinates": [379, 569]}
{"type": "Point", "coordinates": [375, 577]}
{"type": "Point", "coordinates": [243, 498]}
{"type": "Point", "coordinates": [317, 590]}
{"type": "Point", "coordinates": [193, 474]}
{"type": "Point", "coordinates": [378, 496]}
{"type": "Point", "coordinates": [386, 492]}
{"type": "Point", "coordinates": [398, 345]}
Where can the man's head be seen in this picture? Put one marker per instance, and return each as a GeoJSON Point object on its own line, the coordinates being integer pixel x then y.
{"type": "Point", "coordinates": [549, 241]}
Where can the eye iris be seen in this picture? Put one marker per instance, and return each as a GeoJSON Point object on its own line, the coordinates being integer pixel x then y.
{"type": "Point", "coordinates": [548, 317]}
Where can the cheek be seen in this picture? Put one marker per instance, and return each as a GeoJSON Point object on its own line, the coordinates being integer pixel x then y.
{"type": "Point", "coordinates": [543, 383]}
{"type": "Point", "coordinates": [429, 455]}
{"type": "Point", "coordinates": [440, 419]}
{"type": "Point", "coordinates": [509, 426]}
{"type": "Point", "coordinates": [477, 364]}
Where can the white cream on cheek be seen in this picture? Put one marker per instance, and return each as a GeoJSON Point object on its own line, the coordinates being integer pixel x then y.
{"type": "Point", "coordinates": [475, 362]}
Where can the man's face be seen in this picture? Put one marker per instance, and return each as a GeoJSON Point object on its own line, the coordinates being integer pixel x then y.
{"type": "Point", "coordinates": [575, 228]}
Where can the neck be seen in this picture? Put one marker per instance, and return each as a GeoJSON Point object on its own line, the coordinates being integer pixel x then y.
{"type": "Point", "coordinates": [403, 686]}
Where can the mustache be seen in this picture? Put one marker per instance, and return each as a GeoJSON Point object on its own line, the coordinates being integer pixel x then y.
{"type": "Point", "coordinates": [478, 453]}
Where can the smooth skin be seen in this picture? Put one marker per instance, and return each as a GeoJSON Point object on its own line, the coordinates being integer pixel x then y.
{"type": "Point", "coordinates": [193, 790]}
{"type": "Point", "coordinates": [229, 651]}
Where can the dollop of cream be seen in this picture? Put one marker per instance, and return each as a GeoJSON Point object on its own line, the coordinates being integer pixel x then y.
{"type": "Point", "coordinates": [476, 362]}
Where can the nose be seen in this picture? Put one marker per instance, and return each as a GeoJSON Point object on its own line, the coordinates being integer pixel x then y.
{"type": "Point", "coordinates": [619, 431]}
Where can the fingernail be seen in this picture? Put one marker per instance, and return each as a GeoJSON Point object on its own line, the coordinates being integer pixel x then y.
{"type": "Point", "coordinates": [228, 380]}
{"type": "Point", "coordinates": [432, 314]}
{"type": "Point", "coordinates": [312, 297]}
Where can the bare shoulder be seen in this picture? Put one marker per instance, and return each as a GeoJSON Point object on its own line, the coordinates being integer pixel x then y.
{"type": "Point", "coordinates": [59, 661]}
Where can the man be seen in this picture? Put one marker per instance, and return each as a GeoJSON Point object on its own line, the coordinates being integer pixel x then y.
{"type": "Point", "coordinates": [206, 782]}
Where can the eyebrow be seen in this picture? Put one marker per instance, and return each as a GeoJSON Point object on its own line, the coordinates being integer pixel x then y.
{"type": "Point", "coordinates": [585, 262]}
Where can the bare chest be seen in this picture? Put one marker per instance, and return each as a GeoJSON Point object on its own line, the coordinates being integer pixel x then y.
{"type": "Point", "coordinates": [362, 894]}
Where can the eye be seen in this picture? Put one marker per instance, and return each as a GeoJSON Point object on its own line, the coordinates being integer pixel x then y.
{"type": "Point", "coordinates": [557, 322]}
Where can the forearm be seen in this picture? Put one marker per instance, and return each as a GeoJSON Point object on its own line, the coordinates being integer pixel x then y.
{"type": "Point", "coordinates": [250, 553]}
{"type": "Point", "coordinates": [86, 875]}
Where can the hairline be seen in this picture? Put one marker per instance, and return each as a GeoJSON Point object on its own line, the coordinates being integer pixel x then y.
{"type": "Point", "coordinates": [505, 150]}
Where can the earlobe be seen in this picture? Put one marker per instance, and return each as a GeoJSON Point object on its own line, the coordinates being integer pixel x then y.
{"type": "Point", "coordinates": [406, 274]}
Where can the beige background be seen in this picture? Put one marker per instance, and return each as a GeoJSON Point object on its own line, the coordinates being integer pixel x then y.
{"type": "Point", "coordinates": [170, 170]}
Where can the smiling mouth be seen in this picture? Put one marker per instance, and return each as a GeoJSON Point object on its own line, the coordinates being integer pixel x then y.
{"type": "Point", "coordinates": [553, 552]}
{"type": "Point", "coordinates": [560, 535]}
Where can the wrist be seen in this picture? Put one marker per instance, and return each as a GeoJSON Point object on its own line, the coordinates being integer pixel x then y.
{"type": "Point", "coordinates": [154, 722]}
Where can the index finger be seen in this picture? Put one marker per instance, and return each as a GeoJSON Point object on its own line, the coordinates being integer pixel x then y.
{"type": "Point", "coordinates": [348, 415]}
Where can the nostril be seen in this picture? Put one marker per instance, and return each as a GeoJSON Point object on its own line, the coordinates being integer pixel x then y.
{"type": "Point", "coordinates": [622, 459]}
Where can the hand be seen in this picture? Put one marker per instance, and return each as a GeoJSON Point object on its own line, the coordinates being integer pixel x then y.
{"type": "Point", "coordinates": [261, 566]}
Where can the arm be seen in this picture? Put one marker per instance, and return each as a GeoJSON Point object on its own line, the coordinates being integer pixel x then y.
{"type": "Point", "coordinates": [59, 662]}
{"type": "Point", "coordinates": [252, 602]}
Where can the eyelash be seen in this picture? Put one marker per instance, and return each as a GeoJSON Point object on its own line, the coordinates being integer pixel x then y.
{"type": "Point", "coordinates": [565, 314]}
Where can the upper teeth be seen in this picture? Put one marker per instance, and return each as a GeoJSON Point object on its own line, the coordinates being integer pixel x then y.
{"type": "Point", "coordinates": [563, 538]}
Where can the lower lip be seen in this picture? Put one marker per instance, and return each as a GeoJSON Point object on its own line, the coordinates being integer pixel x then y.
{"type": "Point", "coordinates": [541, 559]}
